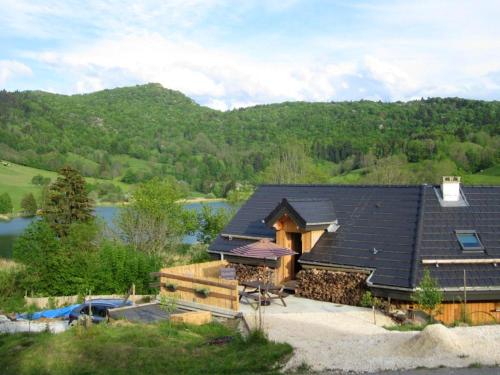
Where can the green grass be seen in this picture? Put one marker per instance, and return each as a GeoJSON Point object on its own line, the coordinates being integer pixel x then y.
{"type": "Point", "coordinates": [140, 349]}
{"type": "Point", "coordinates": [406, 327]}
{"type": "Point", "coordinates": [352, 177]}
{"type": "Point", "coordinates": [493, 171]}
{"type": "Point", "coordinates": [480, 179]}
{"type": "Point", "coordinates": [16, 180]}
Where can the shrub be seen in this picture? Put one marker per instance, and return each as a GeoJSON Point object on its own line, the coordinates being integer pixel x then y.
{"type": "Point", "coordinates": [117, 267]}
{"type": "Point", "coordinates": [168, 304]}
{"type": "Point", "coordinates": [428, 295]}
{"type": "Point", "coordinates": [367, 299]}
{"type": "Point", "coordinates": [5, 204]}
{"type": "Point", "coordinates": [77, 262]}
{"type": "Point", "coordinates": [28, 204]}
{"type": "Point", "coordinates": [203, 292]}
{"type": "Point", "coordinates": [11, 294]}
{"type": "Point", "coordinates": [40, 180]}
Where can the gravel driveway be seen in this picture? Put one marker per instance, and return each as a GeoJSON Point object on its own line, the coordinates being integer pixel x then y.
{"type": "Point", "coordinates": [331, 336]}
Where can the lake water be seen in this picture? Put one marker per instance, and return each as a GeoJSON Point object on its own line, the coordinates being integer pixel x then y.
{"type": "Point", "coordinates": [10, 230]}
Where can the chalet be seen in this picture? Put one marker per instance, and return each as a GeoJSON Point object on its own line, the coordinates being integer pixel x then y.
{"type": "Point", "coordinates": [391, 233]}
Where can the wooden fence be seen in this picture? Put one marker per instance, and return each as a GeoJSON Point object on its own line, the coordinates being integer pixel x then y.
{"type": "Point", "coordinates": [475, 312]}
{"type": "Point", "coordinates": [199, 283]}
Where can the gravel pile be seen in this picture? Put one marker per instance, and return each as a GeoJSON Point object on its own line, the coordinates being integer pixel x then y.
{"type": "Point", "coordinates": [345, 338]}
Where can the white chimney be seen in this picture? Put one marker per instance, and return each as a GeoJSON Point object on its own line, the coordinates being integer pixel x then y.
{"type": "Point", "coordinates": [451, 188]}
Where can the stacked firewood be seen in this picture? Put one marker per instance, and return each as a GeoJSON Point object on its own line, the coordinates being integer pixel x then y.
{"type": "Point", "coordinates": [250, 273]}
{"type": "Point", "coordinates": [340, 287]}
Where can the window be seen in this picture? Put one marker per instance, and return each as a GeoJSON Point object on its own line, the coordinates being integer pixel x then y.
{"type": "Point", "coordinates": [469, 240]}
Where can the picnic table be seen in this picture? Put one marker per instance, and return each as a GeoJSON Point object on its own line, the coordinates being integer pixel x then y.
{"type": "Point", "coordinates": [268, 292]}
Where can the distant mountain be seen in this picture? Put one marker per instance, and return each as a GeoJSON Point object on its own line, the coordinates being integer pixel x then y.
{"type": "Point", "coordinates": [137, 132]}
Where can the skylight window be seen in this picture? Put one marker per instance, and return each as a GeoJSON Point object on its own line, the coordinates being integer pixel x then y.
{"type": "Point", "coordinates": [469, 240]}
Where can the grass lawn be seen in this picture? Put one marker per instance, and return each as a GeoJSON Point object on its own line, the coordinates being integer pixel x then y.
{"type": "Point", "coordinates": [16, 180]}
{"type": "Point", "coordinates": [140, 349]}
{"type": "Point", "coordinates": [481, 179]}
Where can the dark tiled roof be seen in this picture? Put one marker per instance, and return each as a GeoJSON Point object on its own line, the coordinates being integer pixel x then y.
{"type": "Point", "coordinates": [377, 231]}
{"type": "Point", "coordinates": [389, 229]}
{"type": "Point", "coordinates": [438, 239]}
{"type": "Point", "coordinates": [306, 212]}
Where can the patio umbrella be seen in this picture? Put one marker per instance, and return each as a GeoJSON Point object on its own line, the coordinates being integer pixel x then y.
{"type": "Point", "coordinates": [264, 249]}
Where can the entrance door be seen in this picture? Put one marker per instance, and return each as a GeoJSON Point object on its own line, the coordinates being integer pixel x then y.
{"type": "Point", "coordinates": [297, 247]}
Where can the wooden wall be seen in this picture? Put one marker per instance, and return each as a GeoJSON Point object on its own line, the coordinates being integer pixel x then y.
{"type": "Point", "coordinates": [223, 293]}
{"type": "Point", "coordinates": [285, 226]}
{"type": "Point", "coordinates": [284, 271]}
{"type": "Point", "coordinates": [309, 239]}
{"type": "Point", "coordinates": [477, 312]}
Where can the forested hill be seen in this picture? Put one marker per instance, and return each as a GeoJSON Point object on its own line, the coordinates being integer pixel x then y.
{"type": "Point", "coordinates": [134, 133]}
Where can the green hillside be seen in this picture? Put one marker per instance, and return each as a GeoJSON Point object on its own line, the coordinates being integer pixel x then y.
{"type": "Point", "coordinates": [16, 180]}
{"type": "Point", "coordinates": [134, 133]}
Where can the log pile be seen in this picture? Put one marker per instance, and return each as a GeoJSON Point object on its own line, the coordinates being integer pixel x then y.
{"type": "Point", "coordinates": [340, 287]}
{"type": "Point", "coordinates": [250, 273]}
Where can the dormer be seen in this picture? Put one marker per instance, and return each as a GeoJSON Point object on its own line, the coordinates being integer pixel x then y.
{"type": "Point", "coordinates": [299, 223]}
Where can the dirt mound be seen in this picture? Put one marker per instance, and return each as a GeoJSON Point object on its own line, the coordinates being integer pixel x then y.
{"type": "Point", "coordinates": [435, 338]}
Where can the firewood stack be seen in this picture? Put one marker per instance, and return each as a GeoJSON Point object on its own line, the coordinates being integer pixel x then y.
{"type": "Point", "coordinates": [340, 287]}
{"type": "Point", "coordinates": [251, 273]}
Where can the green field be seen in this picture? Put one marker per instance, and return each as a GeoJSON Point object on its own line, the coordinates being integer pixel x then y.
{"type": "Point", "coordinates": [16, 180]}
{"type": "Point", "coordinates": [141, 349]}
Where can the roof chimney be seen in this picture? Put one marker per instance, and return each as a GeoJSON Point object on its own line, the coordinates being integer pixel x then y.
{"type": "Point", "coordinates": [450, 188]}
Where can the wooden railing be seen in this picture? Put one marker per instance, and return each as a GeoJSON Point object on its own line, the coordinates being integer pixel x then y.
{"type": "Point", "coordinates": [186, 283]}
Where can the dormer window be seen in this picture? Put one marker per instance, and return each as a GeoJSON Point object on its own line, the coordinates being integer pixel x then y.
{"type": "Point", "coordinates": [469, 240]}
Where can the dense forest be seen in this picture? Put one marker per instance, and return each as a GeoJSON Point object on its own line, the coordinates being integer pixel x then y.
{"type": "Point", "coordinates": [134, 133]}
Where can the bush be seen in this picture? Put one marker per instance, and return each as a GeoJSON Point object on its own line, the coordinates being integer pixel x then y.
{"type": "Point", "coordinates": [28, 204]}
{"type": "Point", "coordinates": [117, 267]}
{"type": "Point", "coordinates": [40, 180]}
{"type": "Point", "coordinates": [211, 222]}
{"type": "Point", "coordinates": [5, 204]}
{"type": "Point", "coordinates": [11, 294]}
{"type": "Point", "coordinates": [366, 299]}
{"type": "Point", "coordinates": [76, 263]}
{"type": "Point", "coordinates": [428, 295]}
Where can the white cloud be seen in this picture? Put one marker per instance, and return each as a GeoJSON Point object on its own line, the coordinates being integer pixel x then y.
{"type": "Point", "coordinates": [223, 79]}
{"type": "Point", "coordinates": [394, 50]}
{"type": "Point", "coordinates": [89, 84]}
{"type": "Point", "coordinates": [10, 69]}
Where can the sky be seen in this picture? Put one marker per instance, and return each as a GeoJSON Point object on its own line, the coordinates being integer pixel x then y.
{"type": "Point", "coordinates": [228, 54]}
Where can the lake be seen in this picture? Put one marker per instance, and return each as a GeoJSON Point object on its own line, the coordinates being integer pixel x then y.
{"type": "Point", "coordinates": [10, 230]}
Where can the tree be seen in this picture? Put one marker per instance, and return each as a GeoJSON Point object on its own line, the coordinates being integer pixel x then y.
{"type": "Point", "coordinates": [155, 220]}
{"type": "Point", "coordinates": [428, 295]}
{"type": "Point", "coordinates": [5, 204]}
{"type": "Point", "coordinates": [40, 180]}
{"type": "Point", "coordinates": [28, 204]}
{"type": "Point", "coordinates": [239, 195]}
{"type": "Point", "coordinates": [67, 202]}
{"type": "Point", "coordinates": [211, 222]}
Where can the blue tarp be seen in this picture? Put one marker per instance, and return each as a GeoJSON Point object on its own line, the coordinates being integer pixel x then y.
{"type": "Point", "coordinates": [63, 312]}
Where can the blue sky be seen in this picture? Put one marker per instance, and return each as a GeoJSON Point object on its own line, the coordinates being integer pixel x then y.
{"type": "Point", "coordinates": [228, 54]}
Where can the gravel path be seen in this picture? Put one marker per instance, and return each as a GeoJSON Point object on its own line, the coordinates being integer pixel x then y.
{"type": "Point", "coordinates": [330, 336]}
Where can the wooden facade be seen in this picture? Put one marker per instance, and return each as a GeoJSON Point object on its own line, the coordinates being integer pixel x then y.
{"type": "Point", "coordinates": [285, 227]}
{"type": "Point", "coordinates": [475, 312]}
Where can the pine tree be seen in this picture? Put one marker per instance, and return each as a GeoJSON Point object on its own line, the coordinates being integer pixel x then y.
{"type": "Point", "coordinates": [28, 204]}
{"type": "Point", "coordinates": [5, 204]}
{"type": "Point", "coordinates": [67, 202]}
